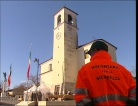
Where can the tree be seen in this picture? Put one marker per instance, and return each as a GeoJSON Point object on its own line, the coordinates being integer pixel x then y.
{"type": "Point", "coordinates": [18, 90]}
{"type": "Point", "coordinates": [33, 79]}
{"type": "Point", "coordinates": [1, 86]}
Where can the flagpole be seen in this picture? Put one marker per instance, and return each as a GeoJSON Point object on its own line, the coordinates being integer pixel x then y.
{"type": "Point", "coordinates": [63, 76]}
{"type": "Point", "coordinates": [28, 71]}
{"type": "Point", "coordinates": [37, 60]}
{"type": "Point", "coordinates": [27, 91]}
{"type": "Point", "coordinates": [9, 76]}
{"type": "Point", "coordinates": [8, 80]}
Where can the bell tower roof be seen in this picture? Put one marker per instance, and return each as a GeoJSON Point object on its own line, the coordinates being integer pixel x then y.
{"type": "Point", "coordinates": [66, 8]}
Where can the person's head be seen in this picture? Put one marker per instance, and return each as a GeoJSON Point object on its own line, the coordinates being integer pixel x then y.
{"type": "Point", "coordinates": [96, 46]}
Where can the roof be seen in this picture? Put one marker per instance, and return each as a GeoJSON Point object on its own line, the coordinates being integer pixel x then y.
{"type": "Point", "coordinates": [66, 8]}
{"type": "Point", "coordinates": [96, 40]}
{"type": "Point", "coordinates": [10, 90]}
{"type": "Point", "coordinates": [84, 45]}
{"type": "Point", "coordinates": [46, 61]}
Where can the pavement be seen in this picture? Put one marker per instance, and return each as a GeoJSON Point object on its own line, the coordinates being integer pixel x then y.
{"type": "Point", "coordinates": [6, 104]}
{"type": "Point", "coordinates": [6, 101]}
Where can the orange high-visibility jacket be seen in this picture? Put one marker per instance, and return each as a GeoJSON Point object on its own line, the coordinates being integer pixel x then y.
{"type": "Point", "coordinates": [104, 82]}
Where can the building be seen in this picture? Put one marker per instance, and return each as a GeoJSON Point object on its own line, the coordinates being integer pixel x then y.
{"type": "Point", "coordinates": [60, 72]}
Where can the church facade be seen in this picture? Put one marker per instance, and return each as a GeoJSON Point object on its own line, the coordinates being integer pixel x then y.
{"type": "Point", "coordinates": [59, 73]}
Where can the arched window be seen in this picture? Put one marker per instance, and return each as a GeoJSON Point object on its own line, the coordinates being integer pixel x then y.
{"type": "Point", "coordinates": [70, 19]}
{"type": "Point", "coordinates": [59, 20]}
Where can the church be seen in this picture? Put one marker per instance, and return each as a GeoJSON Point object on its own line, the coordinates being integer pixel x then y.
{"type": "Point", "coordinates": [59, 73]}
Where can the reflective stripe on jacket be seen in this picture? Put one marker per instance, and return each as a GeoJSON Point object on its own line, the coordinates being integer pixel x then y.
{"type": "Point", "coordinates": [104, 82]}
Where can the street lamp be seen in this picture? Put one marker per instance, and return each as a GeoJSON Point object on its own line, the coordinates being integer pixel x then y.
{"type": "Point", "coordinates": [37, 60]}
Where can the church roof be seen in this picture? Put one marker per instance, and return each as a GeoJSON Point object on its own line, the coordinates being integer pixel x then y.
{"type": "Point", "coordinates": [84, 45]}
{"type": "Point", "coordinates": [96, 40]}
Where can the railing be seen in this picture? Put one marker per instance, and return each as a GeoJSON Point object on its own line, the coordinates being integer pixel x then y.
{"type": "Point", "coordinates": [8, 98]}
{"type": "Point", "coordinates": [61, 97]}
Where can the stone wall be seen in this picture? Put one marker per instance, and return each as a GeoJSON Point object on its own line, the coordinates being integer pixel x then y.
{"type": "Point", "coordinates": [70, 86]}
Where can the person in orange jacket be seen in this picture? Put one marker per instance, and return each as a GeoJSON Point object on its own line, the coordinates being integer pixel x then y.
{"type": "Point", "coordinates": [103, 82]}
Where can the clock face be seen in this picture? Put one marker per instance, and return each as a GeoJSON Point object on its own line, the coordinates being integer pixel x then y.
{"type": "Point", "coordinates": [58, 35]}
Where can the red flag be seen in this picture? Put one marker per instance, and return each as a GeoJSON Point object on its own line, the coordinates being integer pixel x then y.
{"type": "Point", "coordinates": [28, 71]}
{"type": "Point", "coordinates": [9, 77]}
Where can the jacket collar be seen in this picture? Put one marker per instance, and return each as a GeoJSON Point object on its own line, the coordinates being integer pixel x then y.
{"type": "Point", "coordinates": [101, 55]}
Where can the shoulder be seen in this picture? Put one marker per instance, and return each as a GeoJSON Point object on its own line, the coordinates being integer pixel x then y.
{"type": "Point", "coordinates": [85, 67]}
{"type": "Point", "coordinates": [124, 69]}
{"type": "Point", "coordinates": [121, 67]}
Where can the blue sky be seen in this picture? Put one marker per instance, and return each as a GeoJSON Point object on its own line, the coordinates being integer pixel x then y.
{"type": "Point", "coordinates": [32, 22]}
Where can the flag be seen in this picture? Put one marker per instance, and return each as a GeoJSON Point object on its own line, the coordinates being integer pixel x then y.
{"type": "Point", "coordinates": [9, 77]}
{"type": "Point", "coordinates": [29, 63]}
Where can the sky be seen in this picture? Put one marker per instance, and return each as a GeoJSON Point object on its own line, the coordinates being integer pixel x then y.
{"type": "Point", "coordinates": [31, 22]}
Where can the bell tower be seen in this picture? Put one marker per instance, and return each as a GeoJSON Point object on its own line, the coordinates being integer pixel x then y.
{"type": "Point", "coordinates": [65, 60]}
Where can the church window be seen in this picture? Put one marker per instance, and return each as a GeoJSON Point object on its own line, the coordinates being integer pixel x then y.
{"type": "Point", "coordinates": [50, 67]}
{"type": "Point", "coordinates": [70, 21]}
{"type": "Point", "coordinates": [59, 20]}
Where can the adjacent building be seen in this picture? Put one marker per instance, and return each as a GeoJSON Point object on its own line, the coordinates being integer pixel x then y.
{"type": "Point", "coordinates": [60, 71]}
